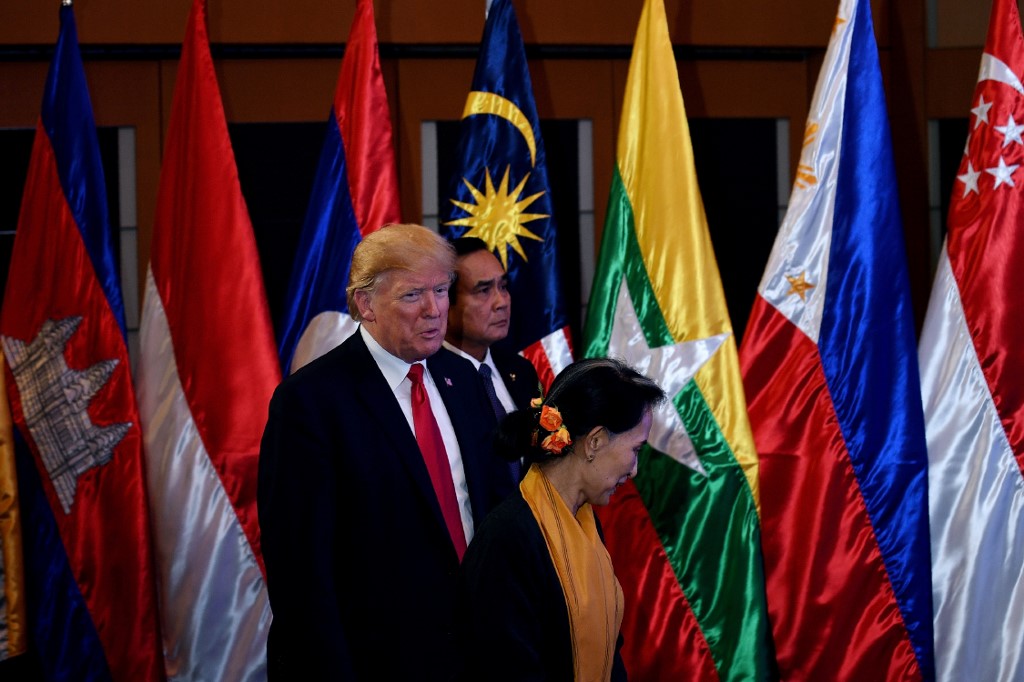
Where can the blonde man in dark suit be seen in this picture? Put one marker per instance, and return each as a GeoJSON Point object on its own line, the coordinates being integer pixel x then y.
{"type": "Point", "coordinates": [374, 474]}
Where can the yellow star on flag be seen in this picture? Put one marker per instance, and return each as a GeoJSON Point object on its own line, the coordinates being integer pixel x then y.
{"type": "Point", "coordinates": [799, 285]}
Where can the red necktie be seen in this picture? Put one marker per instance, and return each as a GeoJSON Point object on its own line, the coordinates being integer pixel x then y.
{"type": "Point", "coordinates": [428, 436]}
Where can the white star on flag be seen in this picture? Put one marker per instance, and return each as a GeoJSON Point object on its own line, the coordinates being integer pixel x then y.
{"type": "Point", "coordinates": [970, 179]}
{"type": "Point", "coordinates": [1011, 131]}
{"type": "Point", "coordinates": [1003, 173]}
{"type": "Point", "coordinates": [981, 111]}
{"type": "Point", "coordinates": [672, 367]}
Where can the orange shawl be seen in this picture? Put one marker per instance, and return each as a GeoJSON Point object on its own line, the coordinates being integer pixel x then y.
{"type": "Point", "coordinates": [592, 593]}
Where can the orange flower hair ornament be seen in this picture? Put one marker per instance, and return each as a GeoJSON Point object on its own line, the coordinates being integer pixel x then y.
{"type": "Point", "coordinates": [550, 420]}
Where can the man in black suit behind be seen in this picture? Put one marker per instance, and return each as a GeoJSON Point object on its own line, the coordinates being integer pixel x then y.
{"type": "Point", "coordinates": [361, 535]}
{"type": "Point", "coordinates": [479, 315]}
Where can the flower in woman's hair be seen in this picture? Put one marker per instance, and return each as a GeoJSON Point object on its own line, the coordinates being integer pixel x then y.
{"type": "Point", "coordinates": [550, 418]}
{"type": "Point", "coordinates": [557, 441]}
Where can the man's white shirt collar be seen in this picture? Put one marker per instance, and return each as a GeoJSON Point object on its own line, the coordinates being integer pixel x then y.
{"type": "Point", "coordinates": [394, 369]}
{"type": "Point", "coordinates": [488, 360]}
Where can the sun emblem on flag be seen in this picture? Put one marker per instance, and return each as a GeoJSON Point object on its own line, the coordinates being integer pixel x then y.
{"type": "Point", "coordinates": [55, 401]}
{"type": "Point", "coordinates": [498, 215]}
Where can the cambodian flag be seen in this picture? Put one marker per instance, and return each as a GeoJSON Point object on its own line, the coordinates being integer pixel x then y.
{"type": "Point", "coordinates": [355, 193]}
{"type": "Point", "coordinates": [90, 582]}
{"type": "Point", "coordinates": [501, 195]}
{"type": "Point", "coordinates": [831, 376]}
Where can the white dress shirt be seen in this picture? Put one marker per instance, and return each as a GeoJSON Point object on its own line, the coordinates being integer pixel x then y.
{"type": "Point", "coordinates": [396, 373]}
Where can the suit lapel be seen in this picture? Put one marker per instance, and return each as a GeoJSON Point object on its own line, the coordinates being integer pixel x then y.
{"type": "Point", "coordinates": [516, 382]}
{"type": "Point", "coordinates": [379, 403]}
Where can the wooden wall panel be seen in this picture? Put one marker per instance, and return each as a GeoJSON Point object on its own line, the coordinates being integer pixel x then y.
{"type": "Point", "coordinates": [21, 93]}
{"type": "Point", "coordinates": [108, 83]}
{"type": "Point", "coordinates": [597, 22]}
{"type": "Point", "coordinates": [428, 90]}
{"type": "Point", "coordinates": [951, 75]}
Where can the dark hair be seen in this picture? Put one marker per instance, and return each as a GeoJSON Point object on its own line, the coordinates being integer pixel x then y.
{"type": "Point", "coordinates": [463, 247]}
{"type": "Point", "coordinates": [588, 393]}
{"type": "Point", "coordinates": [467, 245]}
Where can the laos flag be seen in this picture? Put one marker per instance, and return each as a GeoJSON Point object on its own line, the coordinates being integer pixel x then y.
{"type": "Point", "coordinates": [355, 193]}
{"type": "Point", "coordinates": [831, 377]}
{"type": "Point", "coordinates": [91, 590]}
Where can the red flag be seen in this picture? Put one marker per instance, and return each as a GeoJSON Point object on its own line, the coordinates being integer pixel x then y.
{"type": "Point", "coordinates": [91, 591]}
{"type": "Point", "coordinates": [831, 379]}
{"type": "Point", "coordinates": [361, 105]}
{"type": "Point", "coordinates": [356, 191]}
{"type": "Point", "coordinates": [207, 371]}
{"type": "Point", "coordinates": [972, 381]}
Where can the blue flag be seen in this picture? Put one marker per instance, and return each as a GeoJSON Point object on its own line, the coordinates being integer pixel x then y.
{"type": "Point", "coordinates": [500, 192]}
{"type": "Point", "coordinates": [90, 588]}
{"type": "Point", "coordinates": [833, 394]}
{"type": "Point", "coordinates": [355, 192]}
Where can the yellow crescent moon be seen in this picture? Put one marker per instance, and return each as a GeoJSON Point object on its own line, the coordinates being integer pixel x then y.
{"type": "Point", "coordinates": [489, 103]}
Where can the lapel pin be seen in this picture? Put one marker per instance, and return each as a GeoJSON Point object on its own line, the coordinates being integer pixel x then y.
{"type": "Point", "coordinates": [448, 381]}
{"type": "Point", "coordinates": [512, 376]}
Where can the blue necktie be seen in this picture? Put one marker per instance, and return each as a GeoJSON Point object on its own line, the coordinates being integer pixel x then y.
{"type": "Point", "coordinates": [499, 411]}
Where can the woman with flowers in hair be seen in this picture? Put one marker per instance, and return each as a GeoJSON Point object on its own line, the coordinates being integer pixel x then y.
{"type": "Point", "coordinates": [538, 598]}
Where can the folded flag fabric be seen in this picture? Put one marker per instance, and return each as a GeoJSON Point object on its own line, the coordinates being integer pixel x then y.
{"type": "Point", "coordinates": [972, 382]}
{"type": "Point", "coordinates": [207, 369]}
{"type": "Point", "coordinates": [90, 588]}
{"type": "Point", "coordinates": [684, 534]}
{"type": "Point", "coordinates": [500, 193]}
{"type": "Point", "coordinates": [831, 378]}
{"type": "Point", "coordinates": [355, 193]}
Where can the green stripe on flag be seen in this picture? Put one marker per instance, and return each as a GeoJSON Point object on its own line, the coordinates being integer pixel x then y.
{"type": "Point", "coordinates": [709, 528]}
{"type": "Point", "coordinates": [620, 257]}
{"type": "Point", "coordinates": [707, 524]}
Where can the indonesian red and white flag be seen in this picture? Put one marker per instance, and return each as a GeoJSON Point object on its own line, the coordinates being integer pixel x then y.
{"type": "Point", "coordinates": [207, 369]}
{"type": "Point", "coordinates": [972, 382]}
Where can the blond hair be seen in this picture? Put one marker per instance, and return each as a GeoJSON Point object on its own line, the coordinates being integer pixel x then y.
{"type": "Point", "coordinates": [395, 247]}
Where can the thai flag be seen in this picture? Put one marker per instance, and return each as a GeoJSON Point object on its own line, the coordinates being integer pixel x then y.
{"type": "Point", "coordinates": [355, 193]}
{"type": "Point", "coordinates": [830, 371]}
{"type": "Point", "coordinates": [207, 369]}
{"type": "Point", "coordinates": [500, 193]}
{"type": "Point", "coordinates": [90, 584]}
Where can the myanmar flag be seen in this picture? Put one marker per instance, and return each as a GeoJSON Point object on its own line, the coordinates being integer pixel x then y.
{"type": "Point", "coordinates": [684, 536]}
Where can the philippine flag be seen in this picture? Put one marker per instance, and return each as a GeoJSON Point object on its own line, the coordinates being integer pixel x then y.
{"type": "Point", "coordinates": [89, 577]}
{"type": "Point", "coordinates": [830, 371]}
{"type": "Point", "coordinates": [355, 193]}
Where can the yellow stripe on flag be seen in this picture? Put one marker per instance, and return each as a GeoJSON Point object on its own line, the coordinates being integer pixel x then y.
{"type": "Point", "coordinates": [655, 160]}
{"type": "Point", "coordinates": [10, 530]}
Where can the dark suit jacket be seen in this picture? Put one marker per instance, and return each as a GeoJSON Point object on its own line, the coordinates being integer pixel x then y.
{"type": "Point", "coordinates": [519, 376]}
{"type": "Point", "coordinates": [361, 571]}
